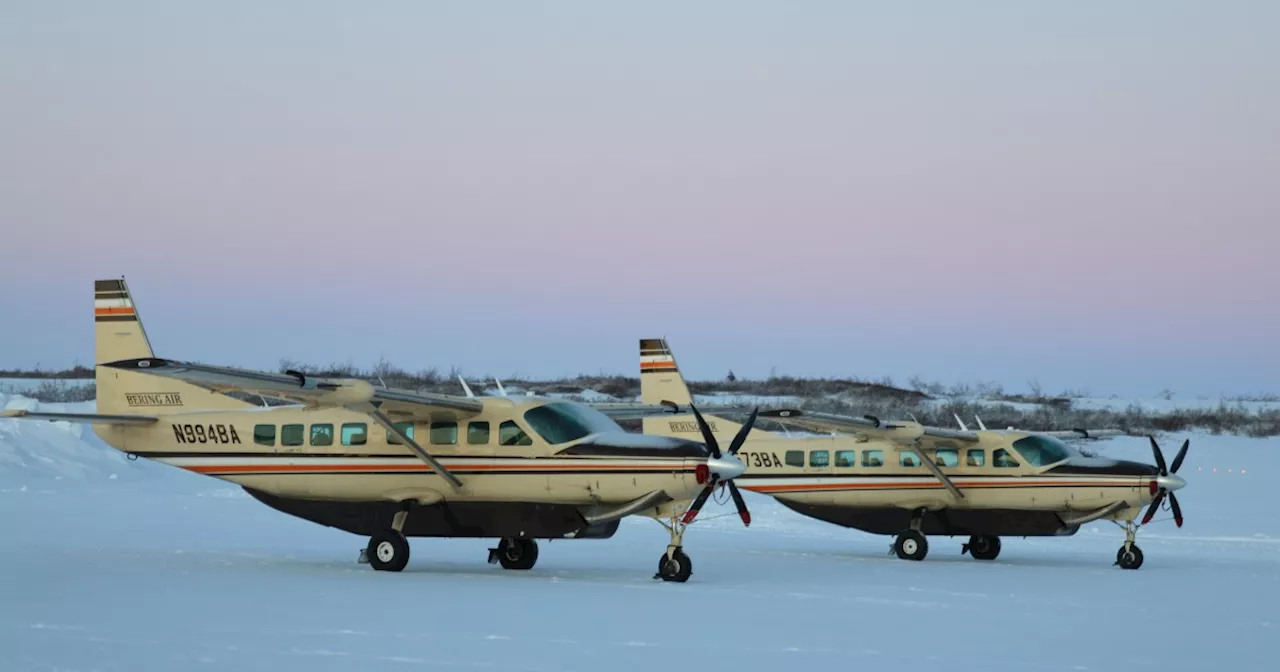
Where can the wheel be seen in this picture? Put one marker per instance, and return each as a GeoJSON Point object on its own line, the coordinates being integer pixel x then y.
{"type": "Point", "coordinates": [517, 553]}
{"type": "Point", "coordinates": [1130, 559]}
{"type": "Point", "coordinates": [911, 545]}
{"type": "Point", "coordinates": [388, 551]}
{"type": "Point", "coordinates": [983, 547]}
{"type": "Point", "coordinates": [679, 568]}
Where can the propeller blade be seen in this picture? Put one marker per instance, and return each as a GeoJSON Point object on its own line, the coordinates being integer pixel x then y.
{"type": "Point", "coordinates": [742, 506]}
{"type": "Point", "coordinates": [1177, 459]}
{"type": "Point", "coordinates": [697, 503]}
{"type": "Point", "coordinates": [706, 433]}
{"type": "Point", "coordinates": [1177, 510]}
{"type": "Point", "coordinates": [1155, 449]}
{"type": "Point", "coordinates": [1151, 510]}
{"type": "Point", "coordinates": [741, 436]}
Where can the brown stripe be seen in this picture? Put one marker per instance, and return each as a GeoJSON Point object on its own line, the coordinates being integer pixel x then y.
{"type": "Point", "coordinates": [111, 295]}
{"type": "Point", "coordinates": [108, 286]}
{"type": "Point", "coordinates": [119, 310]}
{"type": "Point", "coordinates": [644, 371]}
{"type": "Point", "coordinates": [115, 318]}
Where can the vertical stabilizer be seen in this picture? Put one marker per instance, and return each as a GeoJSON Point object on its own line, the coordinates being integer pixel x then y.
{"type": "Point", "coordinates": [660, 380]}
{"type": "Point", "coordinates": [119, 335]}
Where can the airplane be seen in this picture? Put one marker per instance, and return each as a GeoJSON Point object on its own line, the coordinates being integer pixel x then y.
{"type": "Point", "coordinates": [392, 464]}
{"type": "Point", "coordinates": [910, 480]}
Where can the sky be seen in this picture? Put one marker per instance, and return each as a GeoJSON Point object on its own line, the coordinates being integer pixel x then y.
{"type": "Point", "coordinates": [1083, 194]}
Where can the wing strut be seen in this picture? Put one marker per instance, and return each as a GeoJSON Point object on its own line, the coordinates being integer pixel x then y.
{"type": "Point", "coordinates": [426, 457]}
{"type": "Point", "coordinates": [946, 482]}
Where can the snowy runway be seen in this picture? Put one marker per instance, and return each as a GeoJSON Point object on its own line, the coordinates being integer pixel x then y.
{"type": "Point", "coordinates": [158, 569]}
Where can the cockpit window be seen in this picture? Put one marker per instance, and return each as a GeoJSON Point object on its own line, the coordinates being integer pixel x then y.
{"type": "Point", "coordinates": [560, 421]}
{"type": "Point", "coordinates": [1041, 450]}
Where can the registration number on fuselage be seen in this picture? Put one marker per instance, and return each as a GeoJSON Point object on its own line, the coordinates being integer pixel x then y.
{"type": "Point", "coordinates": [755, 459]}
{"type": "Point", "coordinates": [211, 433]}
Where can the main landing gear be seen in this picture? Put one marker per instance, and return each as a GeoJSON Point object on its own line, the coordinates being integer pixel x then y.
{"type": "Point", "coordinates": [911, 543]}
{"type": "Point", "coordinates": [388, 550]}
{"type": "Point", "coordinates": [515, 553]}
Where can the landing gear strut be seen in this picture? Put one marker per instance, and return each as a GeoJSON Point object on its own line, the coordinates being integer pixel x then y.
{"type": "Point", "coordinates": [1129, 556]}
{"type": "Point", "coordinates": [911, 544]}
{"type": "Point", "coordinates": [674, 565]}
{"type": "Point", "coordinates": [515, 553]}
{"type": "Point", "coordinates": [388, 550]}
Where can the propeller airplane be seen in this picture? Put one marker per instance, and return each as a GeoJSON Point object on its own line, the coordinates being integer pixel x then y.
{"type": "Point", "coordinates": [906, 479]}
{"type": "Point", "coordinates": [517, 469]}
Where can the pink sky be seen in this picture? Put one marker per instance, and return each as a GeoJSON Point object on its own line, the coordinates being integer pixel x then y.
{"type": "Point", "coordinates": [1086, 196]}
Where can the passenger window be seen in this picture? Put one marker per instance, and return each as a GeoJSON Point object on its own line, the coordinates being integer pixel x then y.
{"type": "Point", "coordinates": [510, 434]}
{"type": "Point", "coordinates": [444, 433]}
{"type": "Point", "coordinates": [1001, 458]}
{"type": "Point", "coordinates": [908, 458]}
{"type": "Point", "coordinates": [846, 458]}
{"type": "Point", "coordinates": [322, 435]}
{"type": "Point", "coordinates": [264, 435]}
{"type": "Point", "coordinates": [355, 433]}
{"type": "Point", "coordinates": [406, 427]}
{"type": "Point", "coordinates": [291, 435]}
{"type": "Point", "coordinates": [794, 458]}
{"type": "Point", "coordinates": [819, 458]}
{"type": "Point", "coordinates": [975, 457]}
{"type": "Point", "coordinates": [948, 457]}
{"type": "Point", "coordinates": [478, 433]}
{"type": "Point", "coordinates": [873, 458]}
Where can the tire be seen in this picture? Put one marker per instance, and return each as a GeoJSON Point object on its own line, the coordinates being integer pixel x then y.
{"type": "Point", "coordinates": [517, 553]}
{"type": "Point", "coordinates": [1131, 559]}
{"type": "Point", "coordinates": [983, 547]}
{"type": "Point", "coordinates": [388, 551]}
{"type": "Point", "coordinates": [679, 568]}
{"type": "Point", "coordinates": [911, 545]}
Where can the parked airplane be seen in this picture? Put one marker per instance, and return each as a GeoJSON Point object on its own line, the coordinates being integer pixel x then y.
{"type": "Point", "coordinates": [515, 468]}
{"type": "Point", "coordinates": [906, 479]}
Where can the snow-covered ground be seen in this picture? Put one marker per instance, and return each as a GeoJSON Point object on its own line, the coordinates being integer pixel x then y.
{"type": "Point", "coordinates": [159, 569]}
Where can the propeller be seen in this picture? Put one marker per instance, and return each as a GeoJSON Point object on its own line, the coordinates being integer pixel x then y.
{"type": "Point", "coordinates": [713, 447]}
{"type": "Point", "coordinates": [1165, 471]}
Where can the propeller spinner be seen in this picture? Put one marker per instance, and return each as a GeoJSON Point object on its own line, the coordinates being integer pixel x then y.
{"type": "Point", "coordinates": [1167, 482]}
{"type": "Point", "coordinates": [720, 467]}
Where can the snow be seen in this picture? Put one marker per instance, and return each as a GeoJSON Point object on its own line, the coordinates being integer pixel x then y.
{"type": "Point", "coordinates": [159, 569]}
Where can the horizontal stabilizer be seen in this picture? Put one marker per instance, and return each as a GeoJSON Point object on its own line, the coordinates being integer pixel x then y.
{"type": "Point", "coordinates": [83, 418]}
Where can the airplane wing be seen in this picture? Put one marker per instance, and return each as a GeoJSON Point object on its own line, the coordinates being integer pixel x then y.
{"type": "Point", "coordinates": [354, 394]}
{"type": "Point", "coordinates": [82, 418]}
{"type": "Point", "coordinates": [626, 410]}
{"type": "Point", "coordinates": [869, 424]}
{"type": "Point", "coordinates": [866, 425]}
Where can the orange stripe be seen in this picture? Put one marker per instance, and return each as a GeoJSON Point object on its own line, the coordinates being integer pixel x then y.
{"type": "Point", "coordinates": [242, 468]}
{"type": "Point", "coordinates": [656, 365]}
{"type": "Point", "coordinates": [113, 311]}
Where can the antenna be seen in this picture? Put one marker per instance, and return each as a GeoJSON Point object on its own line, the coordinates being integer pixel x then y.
{"type": "Point", "coordinates": [501, 391]}
{"type": "Point", "coordinates": [465, 387]}
{"type": "Point", "coordinates": [980, 425]}
{"type": "Point", "coordinates": [962, 427]}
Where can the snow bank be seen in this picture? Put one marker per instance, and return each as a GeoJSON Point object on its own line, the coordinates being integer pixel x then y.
{"type": "Point", "coordinates": [32, 450]}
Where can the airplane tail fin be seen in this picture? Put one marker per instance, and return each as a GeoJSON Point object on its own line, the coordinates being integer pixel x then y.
{"type": "Point", "coordinates": [119, 335]}
{"type": "Point", "coordinates": [661, 380]}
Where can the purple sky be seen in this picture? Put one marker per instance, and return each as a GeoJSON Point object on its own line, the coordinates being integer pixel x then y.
{"type": "Point", "coordinates": [1086, 194]}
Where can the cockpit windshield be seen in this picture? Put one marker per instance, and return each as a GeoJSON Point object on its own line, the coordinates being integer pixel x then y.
{"type": "Point", "coordinates": [559, 421]}
{"type": "Point", "coordinates": [1041, 450]}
